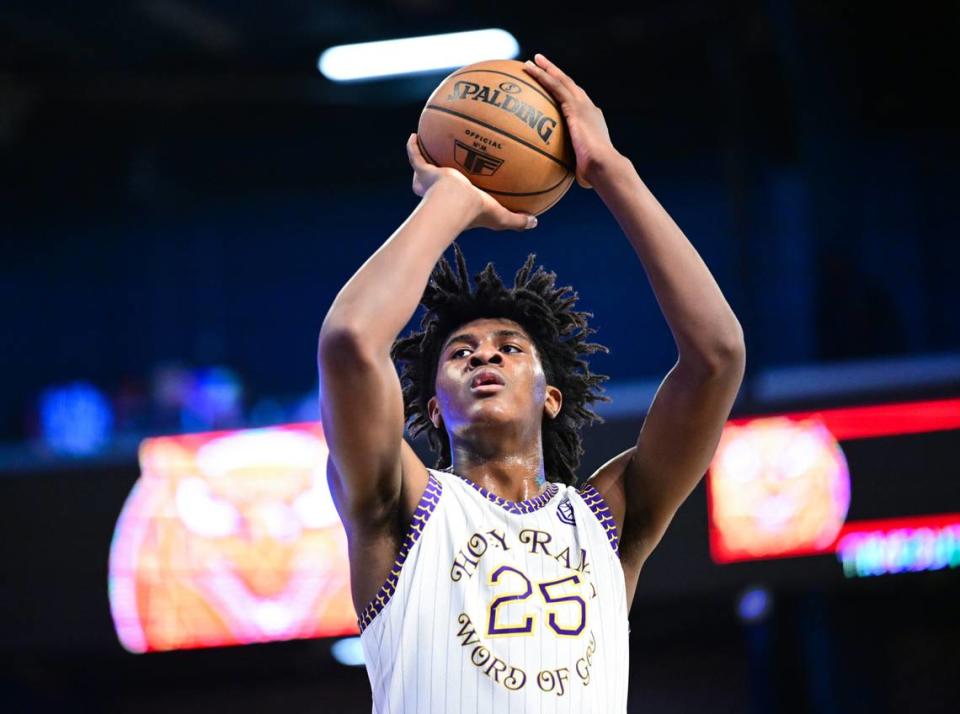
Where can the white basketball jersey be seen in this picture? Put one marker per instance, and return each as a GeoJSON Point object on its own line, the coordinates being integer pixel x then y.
{"type": "Point", "coordinates": [501, 606]}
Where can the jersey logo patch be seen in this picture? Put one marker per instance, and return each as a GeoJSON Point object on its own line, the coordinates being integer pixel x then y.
{"type": "Point", "coordinates": [565, 512]}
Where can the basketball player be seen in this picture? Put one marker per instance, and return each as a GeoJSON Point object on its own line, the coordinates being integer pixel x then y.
{"type": "Point", "coordinates": [495, 581]}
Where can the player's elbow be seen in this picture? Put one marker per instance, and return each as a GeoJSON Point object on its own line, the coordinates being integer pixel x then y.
{"type": "Point", "coordinates": [340, 344]}
{"type": "Point", "coordinates": [721, 366]}
{"type": "Point", "coordinates": [732, 357]}
{"type": "Point", "coordinates": [726, 357]}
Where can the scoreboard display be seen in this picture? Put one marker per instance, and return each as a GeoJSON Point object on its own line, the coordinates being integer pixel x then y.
{"type": "Point", "coordinates": [230, 538]}
{"type": "Point", "coordinates": [875, 486]}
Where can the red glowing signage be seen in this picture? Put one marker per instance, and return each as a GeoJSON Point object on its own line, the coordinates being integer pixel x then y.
{"type": "Point", "coordinates": [230, 538]}
{"type": "Point", "coordinates": [780, 486]}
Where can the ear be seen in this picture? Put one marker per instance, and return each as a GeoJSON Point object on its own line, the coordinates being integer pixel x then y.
{"type": "Point", "coordinates": [553, 402]}
{"type": "Point", "coordinates": [433, 411]}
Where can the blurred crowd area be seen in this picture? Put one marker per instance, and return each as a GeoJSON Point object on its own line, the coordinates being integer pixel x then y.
{"type": "Point", "coordinates": [79, 419]}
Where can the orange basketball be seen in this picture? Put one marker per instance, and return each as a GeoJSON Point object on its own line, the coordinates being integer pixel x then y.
{"type": "Point", "coordinates": [503, 130]}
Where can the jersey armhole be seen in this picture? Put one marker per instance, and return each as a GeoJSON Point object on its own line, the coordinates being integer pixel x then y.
{"type": "Point", "coordinates": [591, 496]}
{"type": "Point", "coordinates": [425, 508]}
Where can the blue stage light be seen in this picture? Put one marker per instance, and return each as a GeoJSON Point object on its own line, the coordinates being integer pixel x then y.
{"type": "Point", "coordinates": [754, 604]}
{"type": "Point", "coordinates": [75, 419]}
{"type": "Point", "coordinates": [348, 651]}
{"type": "Point", "coordinates": [214, 401]}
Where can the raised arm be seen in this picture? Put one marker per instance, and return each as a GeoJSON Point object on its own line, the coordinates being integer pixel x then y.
{"type": "Point", "coordinates": [370, 465]}
{"type": "Point", "coordinates": [645, 485]}
{"type": "Point", "coordinates": [648, 483]}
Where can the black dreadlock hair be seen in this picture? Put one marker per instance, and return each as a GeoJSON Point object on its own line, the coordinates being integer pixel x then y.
{"type": "Point", "coordinates": [545, 312]}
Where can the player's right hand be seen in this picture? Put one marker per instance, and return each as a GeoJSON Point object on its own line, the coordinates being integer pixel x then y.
{"type": "Point", "coordinates": [489, 214]}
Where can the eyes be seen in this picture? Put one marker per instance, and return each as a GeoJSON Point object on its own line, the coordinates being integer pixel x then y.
{"type": "Point", "coordinates": [456, 353]}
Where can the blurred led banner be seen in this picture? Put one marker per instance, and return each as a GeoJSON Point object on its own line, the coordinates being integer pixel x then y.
{"type": "Point", "coordinates": [230, 538]}
{"type": "Point", "coordinates": [899, 545]}
{"type": "Point", "coordinates": [780, 486]}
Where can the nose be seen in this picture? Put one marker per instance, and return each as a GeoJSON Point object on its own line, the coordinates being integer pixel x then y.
{"type": "Point", "coordinates": [484, 354]}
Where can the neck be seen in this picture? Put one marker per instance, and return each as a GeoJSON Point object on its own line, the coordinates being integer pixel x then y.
{"type": "Point", "coordinates": [516, 475]}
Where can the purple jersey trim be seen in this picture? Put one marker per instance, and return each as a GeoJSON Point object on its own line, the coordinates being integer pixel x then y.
{"type": "Point", "coordinates": [517, 507]}
{"type": "Point", "coordinates": [428, 502]}
{"type": "Point", "coordinates": [595, 503]}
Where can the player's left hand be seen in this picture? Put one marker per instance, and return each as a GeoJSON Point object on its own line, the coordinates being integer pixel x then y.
{"type": "Point", "coordinates": [588, 129]}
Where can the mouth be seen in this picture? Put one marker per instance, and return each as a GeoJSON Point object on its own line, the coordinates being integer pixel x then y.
{"type": "Point", "coordinates": [487, 381]}
{"type": "Point", "coordinates": [486, 388]}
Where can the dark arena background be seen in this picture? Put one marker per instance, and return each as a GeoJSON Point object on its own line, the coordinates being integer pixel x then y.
{"type": "Point", "coordinates": [183, 194]}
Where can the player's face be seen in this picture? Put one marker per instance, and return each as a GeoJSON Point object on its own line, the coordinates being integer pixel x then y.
{"type": "Point", "coordinates": [489, 372]}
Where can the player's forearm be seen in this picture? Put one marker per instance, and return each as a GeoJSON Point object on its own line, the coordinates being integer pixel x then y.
{"type": "Point", "coordinates": [383, 294]}
{"type": "Point", "coordinates": [702, 322]}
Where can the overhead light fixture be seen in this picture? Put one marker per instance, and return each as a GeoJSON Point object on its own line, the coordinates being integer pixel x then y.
{"type": "Point", "coordinates": [415, 55]}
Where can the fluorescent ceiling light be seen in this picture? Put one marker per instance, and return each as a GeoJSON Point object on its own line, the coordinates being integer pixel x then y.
{"type": "Point", "coordinates": [413, 55]}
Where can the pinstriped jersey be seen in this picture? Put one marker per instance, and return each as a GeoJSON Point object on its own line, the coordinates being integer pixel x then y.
{"type": "Point", "coordinates": [496, 605]}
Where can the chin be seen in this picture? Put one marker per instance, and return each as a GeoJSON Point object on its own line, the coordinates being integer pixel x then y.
{"type": "Point", "coordinates": [487, 414]}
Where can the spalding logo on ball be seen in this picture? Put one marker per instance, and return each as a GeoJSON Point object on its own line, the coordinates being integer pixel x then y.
{"type": "Point", "coordinates": [503, 130]}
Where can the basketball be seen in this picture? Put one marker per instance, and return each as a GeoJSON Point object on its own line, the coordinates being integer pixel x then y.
{"type": "Point", "coordinates": [501, 128]}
